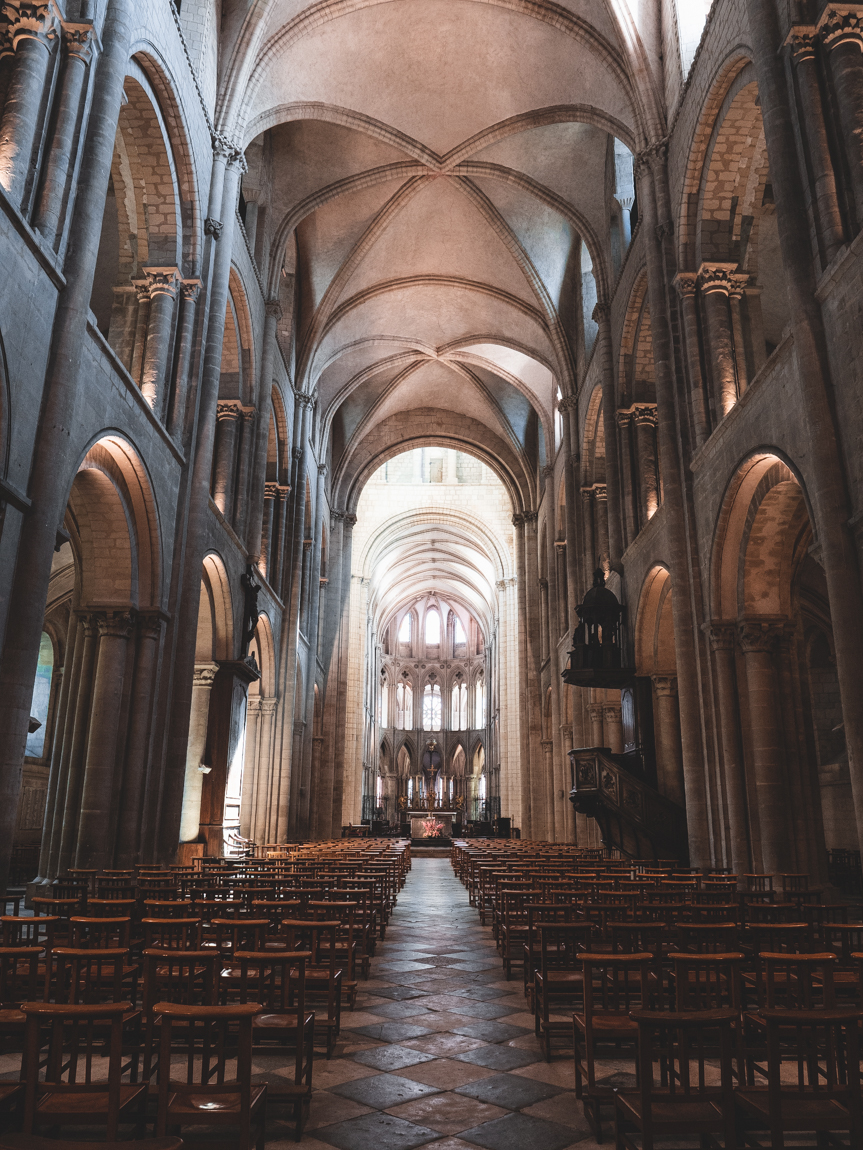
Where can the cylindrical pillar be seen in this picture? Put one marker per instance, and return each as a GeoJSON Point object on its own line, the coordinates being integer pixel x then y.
{"type": "Point", "coordinates": [670, 765]}
{"type": "Point", "coordinates": [32, 29]}
{"type": "Point", "coordinates": [267, 545]}
{"type": "Point", "coordinates": [602, 316]}
{"type": "Point", "coordinates": [644, 418]}
{"type": "Point", "coordinates": [736, 291]}
{"type": "Point", "coordinates": [721, 637]}
{"type": "Point", "coordinates": [142, 321]}
{"type": "Point", "coordinates": [273, 313]}
{"type": "Point", "coordinates": [612, 726]}
{"type": "Point", "coordinates": [251, 768]}
{"type": "Point", "coordinates": [246, 429]}
{"type": "Point", "coordinates": [596, 713]}
{"type": "Point", "coordinates": [686, 283]}
{"type": "Point", "coordinates": [587, 506]}
{"type": "Point", "coordinates": [600, 504]}
{"type": "Point", "coordinates": [140, 739]}
{"type": "Point", "coordinates": [758, 641]}
{"type": "Point", "coordinates": [162, 284]}
{"type": "Point", "coordinates": [225, 470]}
{"type": "Point", "coordinates": [279, 542]}
{"type": "Point", "coordinates": [64, 724]}
{"type": "Point", "coordinates": [96, 826]}
{"type": "Point", "coordinates": [842, 33]}
{"type": "Point", "coordinates": [68, 801]}
{"type": "Point", "coordinates": [177, 419]}
{"type": "Point", "coordinates": [829, 217]}
{"type": "Point", "coordinates": [77, 41]}
{"type": "Point", "coordinates": [202, 685]}
{"type": "Point", "coordinates": [714, 280]}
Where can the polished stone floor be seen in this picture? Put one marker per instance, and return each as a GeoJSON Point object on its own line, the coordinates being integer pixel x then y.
{"type": "Point", "coordinates": [440, 1048]}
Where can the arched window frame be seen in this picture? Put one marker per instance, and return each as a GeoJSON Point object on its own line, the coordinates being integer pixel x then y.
{"type": "Point", "coordinates": [432, 707]}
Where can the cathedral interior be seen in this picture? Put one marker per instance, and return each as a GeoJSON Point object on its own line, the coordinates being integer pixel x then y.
{"type": "Point", "coordinates": [432, 429]}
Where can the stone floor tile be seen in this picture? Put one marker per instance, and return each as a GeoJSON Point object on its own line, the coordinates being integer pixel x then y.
{"type": "Point", "coordinates": [353, 1019]}
{"type": "Point", "coordinates": [519, 1131]}
{"type": "Point", "coordinates": [564, 1109]}
{"type": "Point", "coordinates": [392, 1057]}
{"type": "Point", "coordinates": [441, 1021]}
{"type": "Point", "coordinates": [487, 993]}
{"type": "Point", "coordinates": [497, 1057]}
{"type": "Point", "coordinates": [337, 1070]}
{"type": "Point", "coordinates": [380, 1131]}
{"type": "Point", "coordinates": [560, 1073]}
{"type": "Point", "coordinates": [400, 966]}
{"type": "Point", "coordinates": [391, 1031]}
{"type": "Point", "coordinates": [382, 1091]}
{"type": "Point", "coordinates": [327, 1107]}
{"type": "Point", "coordinates": [444, 1045]}
{"type": "Point", "coordinates": [410, 1008]}
{"type": "Point", "coordinates": [490, 1031]}
{"type": "Point", "coordinates": [397, 993]}
{"type": "Point", "coordinates": [447, 1113]}
{"type": "Point", "coordinates": [505, 1090]}
{"type": "Point", "coordinates": [446, 1073]}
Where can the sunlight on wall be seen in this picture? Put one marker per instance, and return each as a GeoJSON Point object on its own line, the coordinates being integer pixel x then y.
{"type": "Point", "coordinates": [691, 17]}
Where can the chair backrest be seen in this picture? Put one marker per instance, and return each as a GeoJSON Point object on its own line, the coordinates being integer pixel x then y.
{"type": "Point", "coordinates": [76, 1045]}
{"type": "Point", "coordinates": [677, 1055]}
{"type": "Point", "coordinates": [704, 937]}
{"type": "Point", "coordinates": [172, 933]}
{"type": "Point", "coordinates": [19, 976]}
{"type": "Point", "coordinates": [240, 934]}
{"type": "Point", "coordinates": [88, 974]}
{"type": "Point", "coordinates": [187, 977]}
{"type": "Point", "coordinates": [787, 937]}
{"type": "Point", "coordinates": [111, 907]}
{"type": "Point", "coordinates": [708, 981]}
{"type": "Point", "coordinates": [616, 983]}
{"type": "Point", "coordinates": [796, 981]}
{"type": "Point", "coordinates": [843, 938]}
{"type": "Point", "coordinates": [635, 937]}
{"type": "Point", "coordinates": [100, 932]}
{"type": "Point", "coordinates": [210, 1037]}
{"type": "Point", "coordinates": [561, 945]}
{"type": "Point", "coordinates": [37, 931]}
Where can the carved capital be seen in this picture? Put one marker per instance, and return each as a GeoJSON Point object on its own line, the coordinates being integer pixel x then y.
{"type": "Point", "coordinates": [268, 706]}
{"type": "Point", "coordinates": [304, 399]}
{"type": "Point", "coordinates": [307, 544]}
{"type": "Point", "coordinates": [601, 312]}
{"type": "Point", "coordinates": [802, 41]}
{"type": "Point", "coordinates": [644, 414]}
{"type": "Point", "coordinates": [350, 521]}
{"type": "Point", "coordinates": [716, 277]}
{"type": "Point", "coordinates": [547, 472]}
{"type": "Point", "coordinates": [518, 519]}
{"type": "Point", "coordinates": [230, 152]}
{"type": "Point", "coordinates": [720, 636]}
{"type": "Point", "coordinates": [273, 309]}
{"type": "Point", "coordinates": [228, 409]}
{"type": "Point", "coordinates": [297, 454]}
{"type": "Point", "coordinates": [567, 403]}
{"type": "Point", "coordinates": [213, 227]}
{"type": "Point", "coordinates": [841, 24]}
{"type": "Point", "coordinates": [191, 289]}
{"type": "Point", "coordinates": [500, 584]}
{"type": "Point", "coordinates": [595, 711]}
{"type": "Point", "coordinates": [116, 624]}
{"type": "Point", "coordinates": [78, 40]}
{"type": "Point", "coordinates": [162, 281]}
{"type": "Point", "coordinates": [530, 517]}
{"type": "Point", "coordinates": [665, 686]}
{"type": "Point", "coordinates": [611, 712]}
{"type": "Point", "coordinates": [600, 491]}
{"type": "Point", "coordinates": [322, 469]}
{"type": "Point", "coordinates": [757, 635]}
{"type": "Point", "coordinates": [30, 20]}
{"type": "Point", "coordinates": [685, 283]}
{"type": "Point", "coordinates": [150, 624]}
{"type": "Point", "coordinates": [204, 675]}
{"type": "Point", "coordinates": [271, 490]}
{"type": "Point", "coordinates": [652, 157]}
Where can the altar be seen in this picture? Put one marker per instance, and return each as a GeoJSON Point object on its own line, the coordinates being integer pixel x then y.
{"type": "Point", "coordinates": [419, 817]}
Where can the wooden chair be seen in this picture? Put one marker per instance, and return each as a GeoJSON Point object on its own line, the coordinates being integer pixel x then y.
{"type": "Point", "coordinates": [704, 937]}
{"type": "Point", "coordinates": [823, 1096]}
{"type": "Point", "coordinates": [204, 1039]}
{"type": "Point", "coordinates": [559, 979]}
{"type": "Point", "coordinates": [70, 1093]}
{"type": "Point", "coordinates": [277, 980]}
{"type": "Point", "coordinates": [323, 975]}
{"type": "Point", "coordinates": [22, 979]}
{"type": "Point", "coordinates": [34, 1142]}
{"type": "Point", "coordinates": [172, 933]}
{"type": "Point", "coordinates": [100, 932]}
{"type": "Point", "coordinates": [614, 985]}
{"type": "Point", "coordinates": [678, 1097]}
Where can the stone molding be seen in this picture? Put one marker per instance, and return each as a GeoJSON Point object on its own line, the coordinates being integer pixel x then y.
{"type": "Point", "coordinates": [720, 635]}
{"type": "Point", "coordinates": [273, 308]}
{"type": "Point", "coordinates": [802, 42]}
{"type": "Point", "coordinates": [271, 490]}
{"type": "Point", "coordinates": [841, 24]}
{"type": "Point", "coordinates": [30, 20]}
{"type": "Point", "coordinates": [228, 409]}
{"type": "Point", "coordinates": [204, 674]}
{"type": "Point", "coordinates": [78, 40]}
{"type": "Point", "coordinates": [162, 281]}
{"type": "Point", "coordinates": [191, 289]}
{"type": "Point", "coordinates": [685, 283]}
{"type": "Point", "coordinates": [665, 686]}
{"type": "Point", "coordinates": [757, 635]}
{"type": "Point", "coordinates": [115, 624]}
{"type": "Point", "coordinates": [721, 277]}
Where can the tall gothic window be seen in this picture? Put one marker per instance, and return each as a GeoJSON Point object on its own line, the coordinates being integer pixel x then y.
{"type": "Point", "coordinates": [432, 707]}
{"type": "Point", "coordinates": [480, 702]}
{"type": "Point", "coordinates": [41, 697]}
{"type": "Point", "coordinates": [458, 720]}
{"type": "Point", "coordinates": [459, 639]}
{"type": "Point", "coordinates": [405, 629]}
{"type": "Point", "coordinates": [404, 706]}
{"type": "Point", "coordinates": [433, 627]}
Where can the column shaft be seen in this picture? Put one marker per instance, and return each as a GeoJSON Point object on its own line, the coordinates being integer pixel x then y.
{"type": "Point", "coordinates": [246, 430]}
{"type": "Point", "coordinates": [32, 38]}
{"type": "Point", "coordinates": [717, 314]}
{"type": "Point", "coordinates": [225, 470]}
{"type": "Point", "coordinates": [162, 284]}
{"type": "Point", "coordinates": [140, 740]}
{"type": "Point", "coordinates": [722, 643]}
{"type": "Point", "coordinates": [602, 314]}
{"type": "Point", "coordinates": [267, 546]}
{"type": "Point", "coordinates": [179, 424]}
{"type": "Point", "coordinates": [64, 726]}
{"type": "Point", "coordinates": [202, 685]}
{"type": "Point", "coordinates": [264, 403]}
{"type": "Point", "coordinates": [671, 781]}
{"type": "Point", "coordinates": [844, 40]}
{"type": "Point", "coordinates": [686, 282]}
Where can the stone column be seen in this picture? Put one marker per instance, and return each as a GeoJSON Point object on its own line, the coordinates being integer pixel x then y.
{"type": "Point", "coordinates": [721, 636]}
{"type": "Point", "coordinates": [140, 738]}
{"type": "Point", "coordinates": [280, 520]}
{"type": "Point", "coordinates": [686, 283]}
{"type": "Point", "coordinates": [142, 320]}
{"type": "Point", "coordinates": [32, 28]}
{"type": "Point", "coordinates": [644, 418]}
{"type": "Point", "coordinates": [64, 724]}
{"type": "Point", "coordinates": [162, 284]}
{"type": "Point", "coordinates": [715, 286]}
{"type": "Point", "coordinates": [568, 406]}
{"type": "Point", "coordinates": [225, 471]}
{"type": "Point", "coordinates": [527, 815]}
{"type": "Point", "coordinates": [758, 640]}
{"type": "Point", "coordinates": [202, 685]}
{"type": "Point", "coordinates": [736, 291]}
{"type": "Point", "coordinates": [596, 713]}
{"type": "Point", "coordinates": [179, 423]}
{"type": "Point", "coordinates": [78, 45]}
{"type": "Point", "coordinates": [538, 787]}
{"type": "Point", "coordinates": [266, 813]}
{"type": "Point", "coordinates": [671, 782]}
{"type": "Point", "coordinates": [629, 486]}
{"type": "Point", "coordinates": [655, 209]}
{"type": "Point", "coordinates": [245, 451]}
{"type": "Point", "coordinates": [267, 556]}
{"type": "Point", "coordinates": [273, 313]}
{"type": "Point", "coordinates": [612, 726]}
{"type": "Point", "coordinates": [802, 43]}
{"type": "Point", "coordinates": [68, 798]}
{"type": "Point", "coordinates": [602, 316]}
{"type": "Point", "coordinates": [841, 29]}
{"type": "Point", "coordinates": [96, 828]}
{"type": "Point", "coordinates": [314, 574]}
{"type": "Point", "coordinates": [251, 767]}
{"type": "Point", "coordinates": [590, 556]}
{"type": "Point", "coordinates": [600, 497]}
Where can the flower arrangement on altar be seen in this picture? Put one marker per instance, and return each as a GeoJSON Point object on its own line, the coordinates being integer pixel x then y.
{"type": "Point", "coordinates": [432, 829]}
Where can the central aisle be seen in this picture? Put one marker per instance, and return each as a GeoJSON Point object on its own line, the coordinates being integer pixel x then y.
{"type": "Point", "coordinates": [440, 1048]}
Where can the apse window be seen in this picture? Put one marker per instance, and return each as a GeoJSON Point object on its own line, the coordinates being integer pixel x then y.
{"type": "Point", "coordinates": [404, 707]}
{"type": "Point", "coordinates": [691, 18]}
{"type": "Point", "coordinates": [432, 708]}
{"type": "Point", "coordinates": [41, 697]}
{"type": "Point", "coordinates": [433, 628]}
